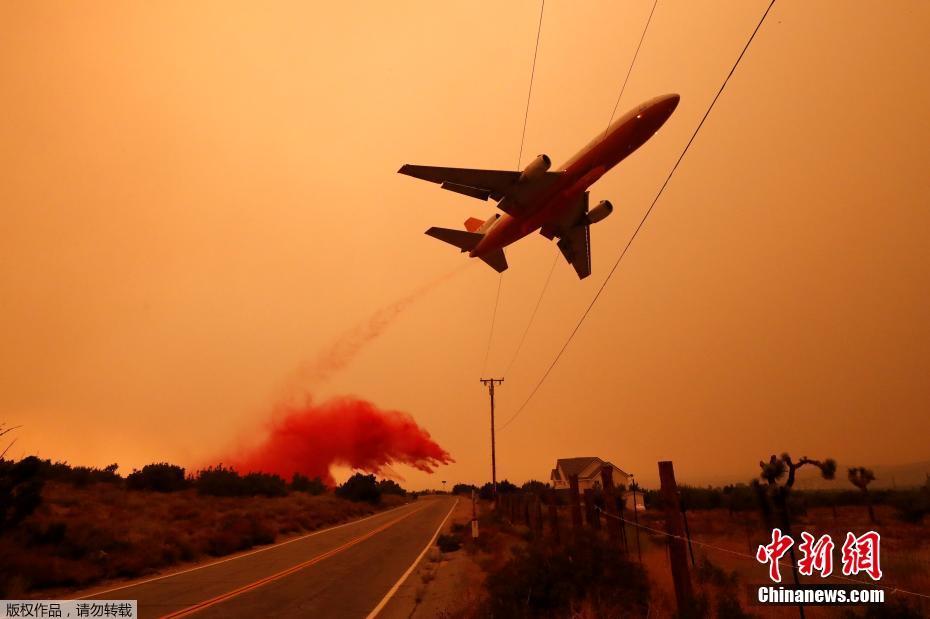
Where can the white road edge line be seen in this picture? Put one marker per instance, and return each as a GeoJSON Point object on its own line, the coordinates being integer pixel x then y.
{"type": "Point", "coordinates": [390, 594]}
{"type": "Point", "coordinates": [240, 556]}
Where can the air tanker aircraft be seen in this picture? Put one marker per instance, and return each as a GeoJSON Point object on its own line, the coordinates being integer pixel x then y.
{"type": "Point", "coordinates": [555, 203]}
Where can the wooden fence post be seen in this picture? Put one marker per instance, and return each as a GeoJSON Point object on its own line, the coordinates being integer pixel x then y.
{"type": "Point", "coordinates": [539, 517]}
{"type": "Point", "coordinates": [576, 504]}
{"type": "Point", "coordinates": [590, 510]}
{"type": "Point", "coordinates": [610, 505]}
{"type": "Point", "coordinates": [677, 549]}
{"type": "Point", "coordinates": [553, 519]}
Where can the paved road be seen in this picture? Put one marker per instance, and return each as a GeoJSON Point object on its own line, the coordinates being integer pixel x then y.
{"type": "Point", "coordinates": [343, 571]}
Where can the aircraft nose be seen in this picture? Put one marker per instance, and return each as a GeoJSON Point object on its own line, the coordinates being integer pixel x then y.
{"type": "Point", "coordinates": [669, 103]}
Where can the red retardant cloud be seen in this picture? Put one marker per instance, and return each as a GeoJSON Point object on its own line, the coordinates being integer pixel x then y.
{"type": "Point", "coordinates": [342, 431]}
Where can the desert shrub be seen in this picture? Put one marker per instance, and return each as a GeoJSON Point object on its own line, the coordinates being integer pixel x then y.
{"type": "Point", "coordinates": [464, 489]}
{"type": "Point", "coordinates": [160, 477]}
{"type": "Point", "coordinates": [503, 487]}
{"type": "Point", "coordinates": [302, 483]}
{"type": "Point", "coordinates": [79, 476]}
{"type": "Point", "coordinates": [359, 488]}
{"type": "Point", "coordinates": [218, 481]}
{"type": "Point", "coordinates": [539, 582]}
{"type": "Point", "coordinates": [534, 486]}
{"type": "Point", "coordinates": [912, 505]}
{"type": "Point", "coordinates": [265, 484]}
{"type": "Point", "coordinates": [237, 532]}
{"type": "Point", "coordinates": [449, 543]}
{"type": "Point", "coordinates": [20, 490]}
{"type": "Point", "coordinates": [389, 486]}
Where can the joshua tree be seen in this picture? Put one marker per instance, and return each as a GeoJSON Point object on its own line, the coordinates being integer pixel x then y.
{"type": "Point", "coordinates": [861, 477]}
{"type": "Point", "coordinates": [776, 467]}
{"type": "Point", "coordinates": [775, 492]}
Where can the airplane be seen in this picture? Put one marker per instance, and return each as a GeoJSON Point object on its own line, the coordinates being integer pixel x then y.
{"type": "Point", "coordinates": [555, 203]}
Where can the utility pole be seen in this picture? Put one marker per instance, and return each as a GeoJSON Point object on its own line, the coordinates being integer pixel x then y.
{"type": "Point", "coordinates": [490, 382]}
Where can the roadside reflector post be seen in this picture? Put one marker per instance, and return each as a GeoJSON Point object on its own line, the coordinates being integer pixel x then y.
{"type": "Point", "coordinates": [677, 548]}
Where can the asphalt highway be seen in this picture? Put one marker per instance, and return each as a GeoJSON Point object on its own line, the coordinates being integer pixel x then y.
{"type": "Point", "coordinates": [344, 571]}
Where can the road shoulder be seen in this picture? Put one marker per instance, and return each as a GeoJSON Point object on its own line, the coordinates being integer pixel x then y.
{"type": "Point", "coordinates": [442, 583]}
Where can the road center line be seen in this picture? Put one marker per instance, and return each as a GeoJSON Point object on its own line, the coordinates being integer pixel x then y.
{"type": "Point", "coordinates": [184, 612]}
{"type": "Point", "coordinates": [243, 554]}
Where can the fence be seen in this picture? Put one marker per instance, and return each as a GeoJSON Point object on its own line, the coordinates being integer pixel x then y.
{"type": "Point", "coordinates": [555, 517]}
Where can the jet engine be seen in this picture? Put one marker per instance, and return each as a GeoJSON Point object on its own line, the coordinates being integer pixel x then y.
{"type": "Point", "coordinates": [599, 212]}
{"type": "Point", "coordinates": [537, 168]}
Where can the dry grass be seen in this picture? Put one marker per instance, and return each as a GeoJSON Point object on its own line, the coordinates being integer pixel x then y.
{"type": "Point", "coordinates": [80, 536]}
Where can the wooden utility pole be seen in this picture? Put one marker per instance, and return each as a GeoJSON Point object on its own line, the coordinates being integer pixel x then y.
{"type": "Point", "coordinates": [677, 549]}
{"type": "Point", "coordinates": [490, 382]}
{"type": "Point", "coordinates": [639, 550]}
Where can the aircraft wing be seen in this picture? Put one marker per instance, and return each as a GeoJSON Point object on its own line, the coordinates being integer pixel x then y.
{"type": "Point", "coordinates": [574, 236]}
{"type": "Point", "coordinates": [481, 184]}
{"type": "Point", "coordinates": [575, 244]}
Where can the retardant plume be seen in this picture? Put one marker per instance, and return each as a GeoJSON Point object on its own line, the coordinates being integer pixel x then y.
{"type": "Point", "coordinates": [347, 346]}
{"type": "Point", "coordinates": [343, 431]}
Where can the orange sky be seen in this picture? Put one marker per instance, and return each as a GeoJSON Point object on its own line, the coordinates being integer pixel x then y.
{"type": "Point", "coordinates": [199, 197]}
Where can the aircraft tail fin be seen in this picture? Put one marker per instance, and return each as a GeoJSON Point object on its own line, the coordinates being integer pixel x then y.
{"type": "Point", "coordinates": [464, 240]}
{"type": "Point", "coordinates": [473, 223]}
{"type": "Point", "coordinates": [496, 260]}
{"type": "Point", "coordinates": [467, 241]}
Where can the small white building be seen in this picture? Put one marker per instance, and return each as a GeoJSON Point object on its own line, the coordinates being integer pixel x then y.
{"type": "Point", "coordinates": [588, 471]}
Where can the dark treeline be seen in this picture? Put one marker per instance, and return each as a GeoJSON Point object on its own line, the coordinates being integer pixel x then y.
{"type": "Point", "coordinates": [911, 504]}
{"type": "Point", "coordinates": [24, 478]}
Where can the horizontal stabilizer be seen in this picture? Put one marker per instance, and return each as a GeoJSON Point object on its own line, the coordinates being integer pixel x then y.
{"type": "Point", "coordinates": [466, 241]}
{"type": "Point", "coordinates": [496, 260]}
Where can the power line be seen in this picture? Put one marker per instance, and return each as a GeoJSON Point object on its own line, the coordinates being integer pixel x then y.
{"type": "Point", "coordinates": [640, 226]}
{"type": "Point", "coordinates": [616, 105]}
{"type": "Point", "coordinates": [497, 299]}
{"type": "Point", "coordinates": [632, 62]}
{"type": "Point", "coordinates": [533, 315]}
{"type": "Point", "coordinates": [526, 116]}
{"type": "Point", "coordinates": [532, 76]}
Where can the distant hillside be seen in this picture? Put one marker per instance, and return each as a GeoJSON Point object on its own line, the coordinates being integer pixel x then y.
{"type": "Point", "coordinates": [886, 476]}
